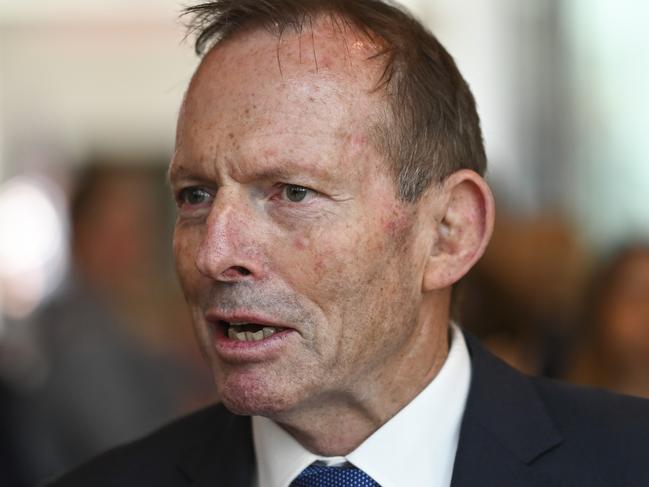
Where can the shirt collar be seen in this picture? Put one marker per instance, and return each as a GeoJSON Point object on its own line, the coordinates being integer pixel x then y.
{"type": "Point", "coordinates": [430, 423]}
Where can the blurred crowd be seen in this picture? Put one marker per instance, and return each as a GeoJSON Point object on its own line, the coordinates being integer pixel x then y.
{"type": "Point", "coordinates": [110, 355]}
{"type": "Point", "coordinates": [547, 305]}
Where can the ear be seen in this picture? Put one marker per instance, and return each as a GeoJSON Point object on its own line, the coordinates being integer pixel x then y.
{"type": "Point", "coordinates": [463, 226]}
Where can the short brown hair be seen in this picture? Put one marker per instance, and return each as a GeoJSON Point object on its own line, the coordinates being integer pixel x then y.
{"type": "Point", "coordinates": [434, 128]}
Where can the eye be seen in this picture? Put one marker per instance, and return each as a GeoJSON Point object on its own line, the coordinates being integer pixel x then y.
{"type": "Point", "coordinates": [296, 194]}
{"type": "Point", "coordinates": [193, 196]}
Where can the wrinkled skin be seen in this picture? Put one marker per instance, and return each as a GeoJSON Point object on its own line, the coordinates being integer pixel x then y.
{"type": "Point", "coordinates": [342, 268]}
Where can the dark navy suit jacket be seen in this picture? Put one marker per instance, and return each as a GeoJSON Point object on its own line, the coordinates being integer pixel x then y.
{"type": "Point", "coordinates": [516, 431]}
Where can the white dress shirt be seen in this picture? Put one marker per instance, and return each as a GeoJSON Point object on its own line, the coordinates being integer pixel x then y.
{"type": "Point", "coordinates": [416, 447]}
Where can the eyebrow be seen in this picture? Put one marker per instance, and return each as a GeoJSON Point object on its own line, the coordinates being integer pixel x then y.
{"type": "Point", "coordinates": [175, 171]}
{"type": "Point", "coordinates": [276, 170]}
{"type": "Point", "coordinates": [285, 170]}
{"type": "Point", "coordinates": [179, 171]}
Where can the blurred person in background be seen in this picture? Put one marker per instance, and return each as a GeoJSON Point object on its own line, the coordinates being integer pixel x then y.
{"type": "Point", "coordinates": [521, 299]}
{"type": "Point", "coordinates": [106, 372]}
{"type": "Point", "coordinates": [11, 465]}
{"type": "Point", "coordinates": [614, 337]}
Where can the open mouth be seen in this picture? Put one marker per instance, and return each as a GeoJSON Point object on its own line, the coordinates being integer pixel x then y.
{"type": "Point", "coordinates": [248, 332]}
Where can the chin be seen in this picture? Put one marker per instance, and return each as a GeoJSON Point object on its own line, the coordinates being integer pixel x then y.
{"type": "Point", "coordinates": [251, 396]}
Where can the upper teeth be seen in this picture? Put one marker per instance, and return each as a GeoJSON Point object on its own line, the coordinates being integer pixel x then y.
{"type": "Point", "coordinates": [249, 336]}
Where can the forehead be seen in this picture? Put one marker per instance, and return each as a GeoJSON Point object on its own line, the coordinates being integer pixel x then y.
{"type": "Point", "coordinates": [305, 84]}
{"type": "Point", "coordinates": [324, 53]}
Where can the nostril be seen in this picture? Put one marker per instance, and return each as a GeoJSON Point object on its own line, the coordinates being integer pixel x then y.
{"type": "Point", "coordinates": [231, 273]}
{"type": "Point", "coordinates": [241, 270]}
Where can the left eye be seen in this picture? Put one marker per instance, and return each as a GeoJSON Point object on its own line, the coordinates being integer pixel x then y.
{"type": "Point", "coordinates": [193, 196]}
{"type": "Point", "coordinates": [296, 194]}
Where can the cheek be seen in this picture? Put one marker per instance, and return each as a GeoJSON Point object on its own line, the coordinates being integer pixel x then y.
{"type": "Point", "coordinates": [397, 223]}
{"type": "Point", "coordinates": [322, 262]}
{"type": "Point", "coordinates": [346, 263]}
{"type": "Point", "coordinates": [350, 254]}
{"type": "Point", "coordinates": [184, 249]}
{"type": "Point", "coordinates": [317, 261]}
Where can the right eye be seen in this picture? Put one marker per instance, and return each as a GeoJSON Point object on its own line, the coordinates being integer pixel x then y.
{"type": "Point", "coordinates": [193, 196]}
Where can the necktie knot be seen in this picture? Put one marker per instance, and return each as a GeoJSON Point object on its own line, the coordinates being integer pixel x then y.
{"type": "Point", "coordinates": [322, 476]}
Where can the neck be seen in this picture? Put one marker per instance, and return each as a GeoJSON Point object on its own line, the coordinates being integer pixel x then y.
{"type": "Point", "coordinates": [335, 424]}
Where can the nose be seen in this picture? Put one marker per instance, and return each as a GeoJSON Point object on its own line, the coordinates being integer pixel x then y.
{"type": "Point", "coordinates": [229, 250]}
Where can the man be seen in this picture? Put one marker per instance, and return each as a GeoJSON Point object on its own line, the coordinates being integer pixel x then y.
{"type": "Point", "coordinates": [328, 179]}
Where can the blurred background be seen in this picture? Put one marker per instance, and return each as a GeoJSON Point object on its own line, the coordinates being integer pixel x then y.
{"type": "Point", "coordinates": [95, 343]}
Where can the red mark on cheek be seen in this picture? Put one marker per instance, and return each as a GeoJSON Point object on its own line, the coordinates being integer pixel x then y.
{"type": "Point", "coordinates": [319, 266]}
{"type": "Point", "coordinates": [300, 243]}
{"type": "Point", "coordinates": [359, 141]}
{"type": "Point", "coordinates": [397, 225]}
{"type": "Point", "coordinates": [391, 227]}
{"type": "Point", "coordinates": [270, 153]}
{"type": "Point", "coordinates": [393, 220]}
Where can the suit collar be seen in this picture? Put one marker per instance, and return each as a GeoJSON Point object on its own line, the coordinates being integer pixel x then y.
{"type": "Point", "coordinates": [225, 457]}
{"type": "Point", "coordinates": [505, 426]}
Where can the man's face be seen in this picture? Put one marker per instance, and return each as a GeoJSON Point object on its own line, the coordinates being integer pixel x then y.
{"type": "Point", "coordinates": [288, 220]}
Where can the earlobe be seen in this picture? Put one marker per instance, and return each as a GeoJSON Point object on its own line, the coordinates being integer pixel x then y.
{"type": "Point", "coordinates": [462, 231]}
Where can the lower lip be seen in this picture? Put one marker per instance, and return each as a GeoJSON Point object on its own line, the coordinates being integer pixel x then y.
{"type": "Point", "coordinates": [236, 351]}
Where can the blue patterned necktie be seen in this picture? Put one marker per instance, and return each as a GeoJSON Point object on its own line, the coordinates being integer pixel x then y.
{"type": "Point", "coordinates": [321, 476]}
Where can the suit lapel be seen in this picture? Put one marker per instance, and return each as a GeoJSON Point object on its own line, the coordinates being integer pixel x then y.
{"type": "Point", "coordinates": [505, 426]}
{"type": "Point", "coordinates": [226, 458]}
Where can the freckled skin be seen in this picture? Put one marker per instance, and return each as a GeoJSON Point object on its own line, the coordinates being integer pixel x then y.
{"type": "Point", "coordinates": [343, 268]}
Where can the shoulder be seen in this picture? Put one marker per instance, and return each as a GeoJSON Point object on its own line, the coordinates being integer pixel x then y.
{"type": "Point", "coordinates": [573, 409]}
{"type": "Point", "coordinates": [565, 434]}
{"type": "Point", "coordinates": [605, 435]}
{"type": "Point", "coordinates": [154, 459]}
{"type": "Point", "coordinates": [593, 413]}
